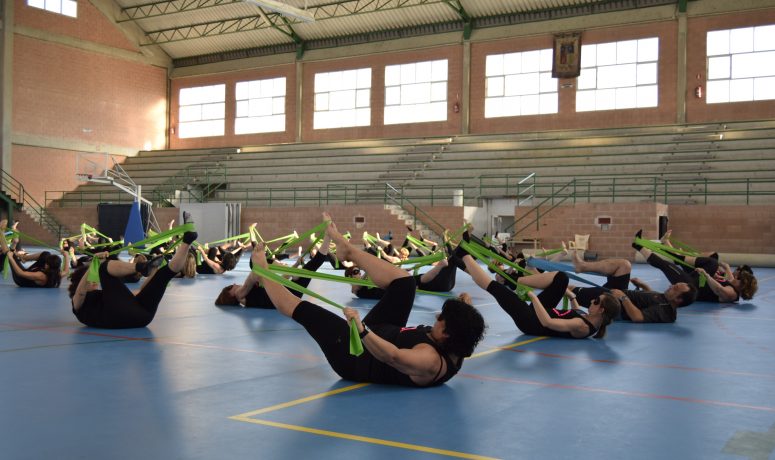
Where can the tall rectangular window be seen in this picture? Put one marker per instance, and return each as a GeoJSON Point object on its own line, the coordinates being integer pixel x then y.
{"type": "Point", "coordinates": [65, 7]}
{"type": "Point", "coordinates": [260, 106]}
{"type": "Point", "coordinates": [342, 99]}
{"type": "Point", "coordinates": [741, 64]}
{"type": "Point", "coordinates": [618, 75]}
{"type": "Point", "coordinates": [202, 111]}
{"type": "Point", "coordinates": [416, 92]}
{"type": "Point", "coordinates": [520, 84]}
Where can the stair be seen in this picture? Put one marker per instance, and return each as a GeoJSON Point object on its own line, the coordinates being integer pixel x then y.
{"type": "Point", "coordinates": [409, 221]}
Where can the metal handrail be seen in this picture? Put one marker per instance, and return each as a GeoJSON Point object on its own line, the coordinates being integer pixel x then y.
{"type": "Point", "coordinates": [645, 188]}
{"type": "Point", "coordinates": [183, 179]}
{"type": "Point", "coordinates": [15, 190]}
{"type": "Point", "coordinates": [556, 201]}
{"type": "Point", "coordinates": [398, 197]}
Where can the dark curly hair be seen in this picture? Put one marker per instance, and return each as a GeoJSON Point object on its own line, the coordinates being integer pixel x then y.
{"type": "Point", "coordinates": [464, 326]}
{"type": "Point", "coordinates": [229, 261]}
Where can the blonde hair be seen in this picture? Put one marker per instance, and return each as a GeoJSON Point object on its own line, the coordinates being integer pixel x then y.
{"type": "Point", "coordinates": [189, 268]}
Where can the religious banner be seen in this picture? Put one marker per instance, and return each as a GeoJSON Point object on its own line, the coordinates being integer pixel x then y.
{"type": "Point", "coordinates": [567, 55]}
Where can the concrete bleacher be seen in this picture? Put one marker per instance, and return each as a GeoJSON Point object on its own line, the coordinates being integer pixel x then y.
{"type": "Point", "coordinates": [630, 163]}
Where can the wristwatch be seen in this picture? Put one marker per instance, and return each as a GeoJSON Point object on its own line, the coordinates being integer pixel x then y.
{"type": "Point", "coordinates": [622, 299]}
{"type": "Point", "coordinates": [365, 332]}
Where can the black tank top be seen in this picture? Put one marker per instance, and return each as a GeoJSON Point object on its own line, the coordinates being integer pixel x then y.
{"type": "Point", "coordinates": [570, 314]}
{"type": "Point", "coordinates": [409, 338]}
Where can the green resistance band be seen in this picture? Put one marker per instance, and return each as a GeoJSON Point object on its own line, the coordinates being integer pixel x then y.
{"type": "Point", "coordinates": [668, 253]}
{"type": "Point", "coordinates": [302, 273]}
{"type": "Point", "coordinates": [356, 346]}
{"type": "Point", "coordinates": [478, 252]}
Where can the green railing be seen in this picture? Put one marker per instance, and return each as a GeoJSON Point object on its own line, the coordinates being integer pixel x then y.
{"type": "Point", "coordinates": [196, 182]}
{"type": "Point", "coordinates": [400, 199]}
{"type": "Point", "coordinates": [522, 187]}
{"type": "Point", "coordinates": [81, 198]}
{"type": "Point", "coordinates": [655, 189]}
{"type": "Point", "coordinates": [14, 189]}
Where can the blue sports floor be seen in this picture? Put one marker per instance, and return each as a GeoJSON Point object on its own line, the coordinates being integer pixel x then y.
{"type": "Point", "coordinates": [203, 382]}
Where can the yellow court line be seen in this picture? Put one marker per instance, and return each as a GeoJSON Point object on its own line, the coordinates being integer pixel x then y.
{"type": "Point", "coordinates": [507, 347]}
{"type": "Point", "coordinates": [298, 401]}
{"type": "Point", "coordinates": [352, 437]}
{"type": "Point", "coordinates": [247, 416]}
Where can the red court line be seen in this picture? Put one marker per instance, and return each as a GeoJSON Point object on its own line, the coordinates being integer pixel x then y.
{"type": "Point", "coordinates": [718, 312]}
{"type": "Point", "coordinates": [640, 364]}
{"type": "Point", "coordinates": [162, 341]}
{"type": "Point", "coordinates": [620, 392]}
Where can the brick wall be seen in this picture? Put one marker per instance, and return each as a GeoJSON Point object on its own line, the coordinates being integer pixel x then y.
{"type": "Point", "coordinates": [90, 25]}
{"type": "Point", "coordinates": [42, 170]}
{"type": "Point", "coordinates": [567, 117]}
{"type": "Point", "coordinates": [697, 110]}
{"type": "Point", "coordinates": [731, 229]}
{"type": "Point", "coordinates": [273, 222]}
{"type": "Point", "coordinates": [70, 94]}
{"type": "Point", "coordinates": [722, 228]}
{"type": "Point", "coordinates": [229, 139]}
{"type": "Point", "coordinates": [562, 223]}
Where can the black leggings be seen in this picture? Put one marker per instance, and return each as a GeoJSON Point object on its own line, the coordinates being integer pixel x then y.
{"type": "Point", "coordinates": [524, 314]}
{"type": "Point", "coordinates": [673, 272]}
{"type": "Point", "coordinates": [444, 280]}
{"type": "Point", "coordinates": [258, 298]}
{"type": "Point", "coordinates": [332, 332]}
{"type": "Point", "coordinates": [126, 310]}
{"type": "Point", "coordinates": [585, 295]}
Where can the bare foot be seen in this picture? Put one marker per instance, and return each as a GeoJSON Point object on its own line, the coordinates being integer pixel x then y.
{"type": "Point", "coordinates": [342, 245]}
{"type": "Point", "coordinates": [666, 237]}
{"type": "Point", "coordinates": [578, 264]}
{"type": "Point", "coordinates": [258, 256]}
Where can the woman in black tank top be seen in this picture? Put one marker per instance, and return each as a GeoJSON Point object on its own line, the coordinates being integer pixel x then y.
{"type": "Point", "coordinates": [46, 272]}
{"type": "Point", "coordinates": [393, 354]}
{"type": "Point", "coordinates": [542, 318]}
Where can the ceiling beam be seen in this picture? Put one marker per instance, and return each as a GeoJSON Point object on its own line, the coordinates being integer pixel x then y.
{"type": "Point", "coordinates": [134, 34]}
{"type": "Point", "coordinates": [323, 11]}
{"type": "Point", "coordinates": [467, 23]}
{"type": "Point", "coordinates": [207, 29]}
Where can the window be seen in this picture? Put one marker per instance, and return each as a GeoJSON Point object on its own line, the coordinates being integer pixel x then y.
{"type": "Point", "coordinates": [741, 64]}
{"type": "Point", "coordinates": [416, 92]}
{"type": "Point", "coordinates": [618, 75]}
{"type": "Point", "coordinates": [520, 84]}
{"type": "Point", "coordinates": [66, 7]}
{"type": "Point", "coordinates": [260, 106]}
{"type": "Point", "coordinates": [202, 111]}
{"type": "Point", "coordinates": [342, 99]}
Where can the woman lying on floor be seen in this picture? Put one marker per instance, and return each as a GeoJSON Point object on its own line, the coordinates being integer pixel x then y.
{"type": "Point", "coordinates": [115, 306]}
{"type": "Point", "coordinates": [419, 357]}
{"type": "Point", "coordinates": [45, 272]}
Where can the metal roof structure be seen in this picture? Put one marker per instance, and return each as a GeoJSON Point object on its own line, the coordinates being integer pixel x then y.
{"type": "Point", "coordinates": [193, 32]}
